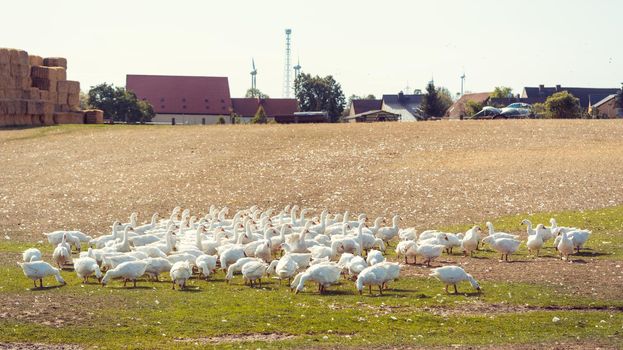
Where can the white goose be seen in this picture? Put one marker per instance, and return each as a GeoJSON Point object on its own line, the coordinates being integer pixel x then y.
{"type": "Point", "coordinates": [86, 267]}
{"type": "Point", "coordinates": [129, 271]}
{"type": "Point", "coordinates": [283, 268]}
{"type": "Point", "coordinates": [374, 257]}
{"type": "Point", "coordinates": [140, 230]}
{"type": "Point", "coordinates": [578, 237]}
{"type": "Point", "coordinates": [565, 246]}
{"type": "Point", "coordinates": [31, 254]}
{"type": "Point", "coordinates": [156, 266]}
{"type": "Point", "coordinates": [206, 264]}
{"type": "Point", "coordinates": [254, 271]}
{"type": "Point", "coordinates": [323, 274]}
{"type": "Point", "coordinates": [470, 241]}
{"type": "Point", "coordinates": [37, 270]}
{"type": "Point", "coordinates": [371, 276]}
{"type": "Point", "coordinates": [237, 267]}
{"type": "Point", "coordinates": [504, 246]}
{"type": "Point", "coordinates": [497, 235]}
{"type": "Point", "coordinates": [387, 233]}
{"type": "Point", "coordinates": [535, 243]}
{"type": "Point", "coordinates": [61, 254]}
{"type": "Point", "coordinates": [452, 275]}
{"type": "Point", "coordinates": [180, 273]}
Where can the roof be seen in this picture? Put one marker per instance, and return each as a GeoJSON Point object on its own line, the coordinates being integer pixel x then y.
{"type": "Point", "coordinates": [172, 94]}
{"type": "Point", "coordinates": [245, 107]}
{"type": "Point", "coordinates": [280, 107]}
{"type": "Point", "coordinates": [586, 95]}
{"type": "Point", "coordinates": [458, 108]}
{"type": "Point", "coordinates": [405, 105]}
{"type": "Point", "coordinates": [605, 100]}
{"type": "Point", "coordinates": [273, 107]}
{"type": "Point", "coordinates": [361, 106]}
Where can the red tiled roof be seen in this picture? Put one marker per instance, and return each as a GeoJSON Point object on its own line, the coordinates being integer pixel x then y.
{"type": "Point", "coordinates": [245, 107]}
{"type": "Point", "coordinates": [182, 94]}
{"type": "Point", "coordinates": [280, 107]}
{"type": "Point", "coordinates": [362, 106]}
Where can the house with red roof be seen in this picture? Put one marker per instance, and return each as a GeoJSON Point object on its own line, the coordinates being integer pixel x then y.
{"type": "Point", "coordinates": [281, 110]}
{"type": "Point", "coordinates": [184, 99]}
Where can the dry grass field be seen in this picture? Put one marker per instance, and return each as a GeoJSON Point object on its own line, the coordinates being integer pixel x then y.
{"type": "Point", "coordinates": [436, 175]}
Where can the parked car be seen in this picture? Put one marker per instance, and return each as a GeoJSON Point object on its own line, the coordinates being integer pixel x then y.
{"type": "Point", "coordinates": [512, 111]}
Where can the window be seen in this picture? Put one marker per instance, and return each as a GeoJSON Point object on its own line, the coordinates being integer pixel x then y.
{"type": "Point", "coordinates": [222, 101]}
{"type": "Point", "coordinates": [206, 100]}
{"type": "Point", "coordinates": [161, 99]}
{"type": "Point", "coordinates": [162, 106]}
{"type": "Point", "coordinates": [207, 107]}
{"type": "Point", "coordinates": [184, 99]}
{"type": "Point", "coordinates": [184, 106]}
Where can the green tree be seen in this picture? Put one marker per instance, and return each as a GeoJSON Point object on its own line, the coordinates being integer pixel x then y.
{"type": "Point", "coordinates": [562, 105]}
{"type": "Point", "coordinates": [84, 100]}
{"type": "Point", "coordinates": [539, 110]}
{"type": "Point", "coordinates": [436, 102]}
{"type": "Point", "coordinates": [502, 92]}
{"type": "Point", "coordinates": [120, 104]}
{"type": "Point", "coordinates": [260, 116]}
{"type": "Point", "coordinates": [255, 93]}
{"type": "Point", "coordinates": [220, 120]}
{"type": "Point", "coordinates": [472, 107]}
{"type": "Point", "coordinates": [320, 94]}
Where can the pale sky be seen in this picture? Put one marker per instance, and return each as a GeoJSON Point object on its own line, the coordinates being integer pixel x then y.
{"type": "Point", "coordinates": [368, 46]}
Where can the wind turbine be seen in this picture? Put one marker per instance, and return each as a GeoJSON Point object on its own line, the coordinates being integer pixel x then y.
{"type": "Point", "coordinates": [462, 82]}
{"type": "Point", "coordinates": [253, 78]}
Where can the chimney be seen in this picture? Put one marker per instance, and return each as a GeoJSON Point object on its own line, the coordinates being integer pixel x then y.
{"type": "Point", "coordinates": [558, 88]}
{"type": "Point", "coordinates": [541, 89]}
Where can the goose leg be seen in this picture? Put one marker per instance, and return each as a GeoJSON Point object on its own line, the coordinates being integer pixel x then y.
{"type": "Point", "coordinates": [35, 282]}
{"type": "Point", "coordinates": [173, 285]}
{"type": "Point", "coordinates": [134, 283]}
{"type": "Point", "coordinates": [124, 281]}
{"type": "Point", "coordinates": [370, 289]}
{"type": "Point", "coordinates": [455, 290]}
{"type": "Point", "coordinates": [447, 289]}
{"type": "Point", "coordinates": [381, 289]}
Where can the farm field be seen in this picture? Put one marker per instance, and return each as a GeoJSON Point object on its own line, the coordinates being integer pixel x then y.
{"type": "Point", "coordinates": [436, 175]}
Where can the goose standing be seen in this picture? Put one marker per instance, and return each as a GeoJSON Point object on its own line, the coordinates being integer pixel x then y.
{"type": "Point", "coordinates": [470, 241]}
{"type": "Point", "coordinates": [565, 246]}
{"type": "Point", "coordinates": [451, 275]}
{"type": "Point", "coordinates": [497, 235]}
{"type": "Point", "coordinates": [206, 264]}
{"type": "Point", "coordinates": [86, 267]}
{"type": "Point", "coordinates": [37, 270]}
{"type": "Point", "coordinates": [254, 271]}
{"type": "Point", "coordinates": [387, 233]}
{"type": "Point", "coordinates": [371, 276]}
{"type": "Point", "coordinates": [535, 243]}
{"type": "Point", "coordinates": [129, 271]}
{"type": "Point", "coordinates": [140, 230]}
{"type": "Point", "coordinates": [283, 268]}
{"type": "Point", "coordinates": [504, 246]}
{"type": "Point", "coordinates": [61, 254]}
{"type": "Point", "coordinates": [374, 257]}
{"type": "Point", "coordinates": [156, 266]}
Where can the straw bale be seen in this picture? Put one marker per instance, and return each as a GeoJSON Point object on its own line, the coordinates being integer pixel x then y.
{"type": "Point", "coordinates": [35, 60]}
{"type": "Point", "coordinates": [36, 120]}
{"type": "Point", "coordinates": [60, 73]}
{"type": "Point", "coordinates": [44, 95]}
{"type": "Point", "coordinates": [44, 84]}
{"type": "Point", "coordinates": [73, 87]}
{"type": "Point", "coordinates": [4, 56]}
{"type": "Point", "coordinates": [41, 72]}
{"type": "Point", "coordinates": [48, 108]}
{"type": "Point", "coordinates": [48, 119]}
{"type": "Point", "coordinates": [61, 97]}
{"type": "Point", "coordinates": [31, 93]}
{"type": "Point", "coordinates": [62, 87]}
{"type": "Point", "coordinates": [73, 100]}
{"type": "Point", "coordinates": [18, 57]}
{"type": "Point", "coordinates": [68, 118]}
{"type": "Point", "coordinates": [55, 62]}
{"type": "Point", "coordinates": [94, 116]}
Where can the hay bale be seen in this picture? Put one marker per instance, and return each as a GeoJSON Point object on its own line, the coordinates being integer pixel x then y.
{"type": "Point", "coordinates": [73, 100]}
{"type": "Point", "coordinates": [73, 87]}
{"type": "Point", "coordinates": [45, 95]}
{"type": "Point", "coordinates": [48, 119]}
{"type": "Point", "coordinates": [44, 84]}
{"type": "Point", "coordinates": [36, 120]}
{"type": "Point", "coordinates": [35, 60]}
{"type": "Point", "coordinates": [62, 87]}
{"type": "Point", "coordinates": [68, 118]}
{"type": "Point", "coordinates": [4, 56]}
{"type": "Point", "coordinates": [94, 116]}
{"type": "Point", "coordinates": [60, 73]}
{"type": "Point", "coordinates": [48, 108]}
{"type": "Point", "coordinates": [55, 62]}
{"type": "Point", "coordinates": [17, 57]}
{"type": "Point", "coordinates": [41, 72]}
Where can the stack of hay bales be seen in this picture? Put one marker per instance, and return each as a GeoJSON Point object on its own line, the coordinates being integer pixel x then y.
{"type": "Point", "coordinates": [35, 91]}
{"type": "Point", "coordinates": [94, 116]}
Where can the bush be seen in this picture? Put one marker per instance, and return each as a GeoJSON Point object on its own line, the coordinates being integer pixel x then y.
{"type": "Point", "coordinates": [260, 117]}
{"type": "Point", "coordinates": [472, 107]}
{"type": "Point", "coordinates": [220, 120]}
{"type": "Point", "coordinates": [563, 105]}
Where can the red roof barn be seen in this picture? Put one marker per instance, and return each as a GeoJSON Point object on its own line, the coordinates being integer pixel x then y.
{"type": "Point", "coordinates": [183, 95]}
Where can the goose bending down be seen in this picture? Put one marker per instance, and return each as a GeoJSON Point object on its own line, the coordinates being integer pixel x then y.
{"type": "Point", "coordinates": [180, 273]}
{"type": "Point", "coordinates": [86, 267]}
{"type": "Point", "coordinates": [301, 259]}
{"type": "Point", "coordinates": [283, 268]}
{"type": "Point", "coordinates": [323, 274]}
{"type": "Point", "coordinates": [129, 271]}
{"type": "Point", "coordinates": [470, 241]}
{"type": "Point", "coordinates": [206, 264]}
{"type": "Point", "coordinates": [156, 266]}
{"type": "Point", "coordinates": [408, 234]}
{"type": "Point", "coordinates": [393, 271]}
{"type": "Point", "coordinates": [371, 276]}
{"type": "Point", "coordinates": [429, 252]}
{"type": "Point", "coordinates": [254, 271]}
{"type": "Point", "coordinates": [31, 254]}
{"type": "Point", "coordinates": [497, 235]}
{"type": "Point", "coordinates": [504, 246]}
{"type": "Point", "coordinates": [374, 257]}
{"type": "Point", "coordinates": [452, 275]}
{"type": "Point", "coordinates": [565, 246]}
{"type": "Point", "coordinates": [37, 270]}
{"type": "Point", "coordinates": [356, 265]}
{"type": "Point", "coordinates": [237, 267]}
{"type": "Point", "coordinates": [387, 233]}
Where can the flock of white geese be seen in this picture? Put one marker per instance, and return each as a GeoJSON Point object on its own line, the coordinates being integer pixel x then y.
{"type": "Point", "coordinates": [285, 245]}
